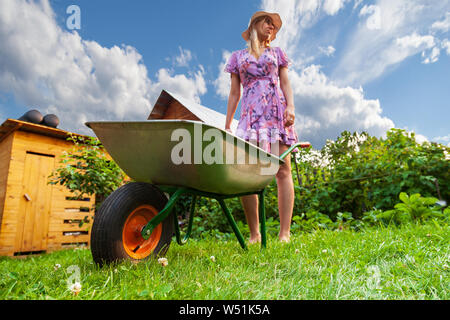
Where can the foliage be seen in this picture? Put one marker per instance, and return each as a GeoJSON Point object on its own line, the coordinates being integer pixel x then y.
{"type": "Point", "coordinates": [86, 170]}
{"type": "Point", "coordinates": [358, 172]}
{"type": "Point", "coordinates": [353, 182]}
{"type": "Point", "coordinates": [413, 207]}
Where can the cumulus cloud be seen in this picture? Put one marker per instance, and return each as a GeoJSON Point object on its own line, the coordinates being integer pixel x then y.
{"type": "Point", "coordinates": [222, 83]}
{"type": "Point", "coordinates": [57, 71]}
{"type": "Point", "coordinates": [189, 88]}
{"type": "Point", "coordinates": [324, 109]}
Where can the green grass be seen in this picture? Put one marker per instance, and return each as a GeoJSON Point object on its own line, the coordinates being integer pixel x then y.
{"type": "Point", "coordinates": [407, 262]}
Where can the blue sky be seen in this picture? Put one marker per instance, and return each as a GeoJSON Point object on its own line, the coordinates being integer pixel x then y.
{"type": "Point", "coordinates": [357, 65]}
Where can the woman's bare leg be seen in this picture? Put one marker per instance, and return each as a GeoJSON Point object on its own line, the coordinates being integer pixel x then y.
{"type": "Point", "coordinates": [285, 195]}
{"type": "Point", "coordinates": [250, 204]}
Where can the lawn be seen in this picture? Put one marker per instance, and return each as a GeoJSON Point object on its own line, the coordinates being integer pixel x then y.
{"type": "Point", "coordinates": [407, 262]}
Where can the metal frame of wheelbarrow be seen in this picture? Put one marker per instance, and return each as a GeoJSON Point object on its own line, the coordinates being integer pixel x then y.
{"type": "Point", "coordinates": [176, 192]}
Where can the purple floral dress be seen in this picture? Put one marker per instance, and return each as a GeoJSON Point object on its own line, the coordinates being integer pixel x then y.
{"type": "Point", "coordinates": [263, 102]}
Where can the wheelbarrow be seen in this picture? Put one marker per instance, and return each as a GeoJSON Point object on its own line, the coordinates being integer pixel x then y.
{"type": "Point", "coordinates": [167, 159]}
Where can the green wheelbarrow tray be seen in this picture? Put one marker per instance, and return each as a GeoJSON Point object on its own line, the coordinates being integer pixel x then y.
{"type": "Point", "coordinates": [190, 157]}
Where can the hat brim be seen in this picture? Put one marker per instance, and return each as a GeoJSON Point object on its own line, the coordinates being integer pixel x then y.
{"type": "Point", "coordinates": [276, 19]}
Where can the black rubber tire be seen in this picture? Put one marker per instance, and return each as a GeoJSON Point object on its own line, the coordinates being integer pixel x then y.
{"type": "Point", "coordinates": [106, 234]}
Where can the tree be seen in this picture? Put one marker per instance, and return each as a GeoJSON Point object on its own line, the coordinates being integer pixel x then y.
{"type": "Point", "coordinates": [87, 170]}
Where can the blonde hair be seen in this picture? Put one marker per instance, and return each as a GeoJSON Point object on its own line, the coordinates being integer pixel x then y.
{"type": "Point", "coordinates": [253, 43]}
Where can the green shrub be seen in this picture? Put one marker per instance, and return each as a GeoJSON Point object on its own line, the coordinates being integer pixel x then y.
{"type": "Point", "coordinates": [358, 173]}
{"type": "Point", "coordinates": [413, 208]}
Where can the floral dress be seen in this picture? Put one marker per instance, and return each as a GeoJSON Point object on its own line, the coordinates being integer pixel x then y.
{"type": "Point", "coordinates": [263, 103]}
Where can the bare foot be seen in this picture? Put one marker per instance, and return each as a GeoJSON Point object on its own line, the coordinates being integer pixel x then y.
{"type": "Point", "coordinates": [285, 239]}
{"type": "Point", "coordinates": [254, 239]}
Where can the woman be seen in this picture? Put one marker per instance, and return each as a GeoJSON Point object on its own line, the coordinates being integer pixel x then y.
{"type": "Point", "coordinates": [267, 114]}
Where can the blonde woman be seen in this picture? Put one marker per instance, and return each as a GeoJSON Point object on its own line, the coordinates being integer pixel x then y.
{"type": "Point", "coordinates": [267, 113]}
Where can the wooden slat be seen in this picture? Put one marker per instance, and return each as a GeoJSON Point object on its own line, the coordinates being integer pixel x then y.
{"type": "Point", "coordinates": [5, 156]}
{"type": "Point", "coordinates": [58, 237]}
{"type": "Point", "coordinates": [58, 215]}
{"type": "Point", "coordinates": [61, 226]}
{"type": "Point", "coordinates": [62, 203]}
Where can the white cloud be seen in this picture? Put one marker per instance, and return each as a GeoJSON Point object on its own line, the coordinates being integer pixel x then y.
{"type": "Point", "coordinates": [442, 139]}
{"type": "Point", "coordinates": [420, 138]}
{"type": "Point", "coordinates": [328, 51]}
{"type": "Point", "coordinates": [298, 16]}
{"type": "Point", "coordinates": [183, 59]}
{"type": "Point", "coordinates": [324, 109]}
{"type": "Point", "coordinates": [446, 45]}
{"type": "Point", "coordinates": [357, 3]}
{"type": "Point", "coordinates": [443, 25]}
{"type": "Point", "coordinates": [222, 83]}
{"type": "Point", "coordinates": [374, 20]}
{"type": "Point", "coordinates": [416, 41]}
{"type": "Point", "coordinates": [432, 57]}
{"type": "Point", "coordinates": [376, 47]}
{"type": "Point", "coordinates": [331, 7]}
{"type": "Point", "coordinates": [58, 72]}
{"type": "Point", "coordinates": [189, 88]}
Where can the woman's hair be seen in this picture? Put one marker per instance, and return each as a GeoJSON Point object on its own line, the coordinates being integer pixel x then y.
{"type": "Point", "coordinates": [253, 42]}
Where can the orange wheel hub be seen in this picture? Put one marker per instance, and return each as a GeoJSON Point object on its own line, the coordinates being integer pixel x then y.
{"type": "Point", "coordinates": [133, 242]}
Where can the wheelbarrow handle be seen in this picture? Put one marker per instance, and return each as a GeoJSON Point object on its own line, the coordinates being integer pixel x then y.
{"type": "Point", "coordinates": [298, 144]}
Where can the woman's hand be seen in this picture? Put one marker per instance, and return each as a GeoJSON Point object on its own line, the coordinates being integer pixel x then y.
{"type": "Point", "coordinates": [289, 116]}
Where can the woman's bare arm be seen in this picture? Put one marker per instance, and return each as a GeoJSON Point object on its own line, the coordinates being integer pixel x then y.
{"type": "Point", "coordinates": [233, 99]}
{"type": "Point", "coordinates": [285, 86]}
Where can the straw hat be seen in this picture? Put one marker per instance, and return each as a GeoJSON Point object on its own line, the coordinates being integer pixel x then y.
{"type": "Point", "coordinates": [275, 19]}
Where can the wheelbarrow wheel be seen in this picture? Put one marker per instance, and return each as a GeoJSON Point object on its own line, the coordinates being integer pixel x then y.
{"type": "Point", "coordinates": [116, 231]}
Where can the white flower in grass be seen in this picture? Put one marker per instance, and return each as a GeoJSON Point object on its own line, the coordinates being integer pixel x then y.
{"type": "Point", "coordinates": [324, 251]}
{"type": "Point", "coordinates": [163, 261]}
{"type": "Point", "coordinates": [297, 251]}
{"type": "Point", "coordinates": [213, 259]}
{"type": "Point", "coordinates": [57, 266]}
{"type": "Point", "coordinates": [75, 288]}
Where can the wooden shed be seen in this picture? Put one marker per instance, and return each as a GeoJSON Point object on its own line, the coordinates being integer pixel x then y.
{"type": "Point", "coordinates": [35, 216]}
{"type": "Point", "coordinates": [173, 106]}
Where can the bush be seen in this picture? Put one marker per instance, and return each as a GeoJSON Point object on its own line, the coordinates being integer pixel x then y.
{"type": "Point", "coordinates": [353, 182]}
{"type": "Point", "coordinates": [86, 170]}
{"type": "Point", "coordinates": [414, 208]}
{"type": "Point", "coordinates": [358, 173]}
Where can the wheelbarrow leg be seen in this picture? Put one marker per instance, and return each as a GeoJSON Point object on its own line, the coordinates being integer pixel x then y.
{"type": "Point", "coordinates": [148, 229]}
{"type": "Point", "coordinates": [262, 218]}
{"type": "Point", "coordinates": [233, 224]}
{"type": "Point", "coordinates": [189, 227]}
